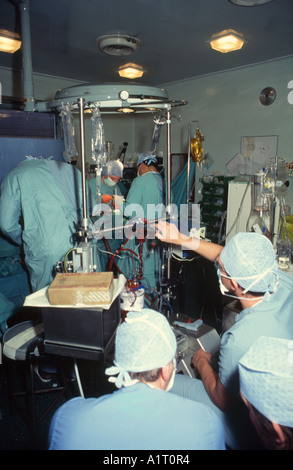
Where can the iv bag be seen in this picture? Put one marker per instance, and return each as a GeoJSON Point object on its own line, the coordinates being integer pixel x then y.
{"type": "Point", "coordinates": [68, 132]}
{"type": "Point", "coordinates": [156, 135]}
{"type": "Point", "coordinates": [99, 154]}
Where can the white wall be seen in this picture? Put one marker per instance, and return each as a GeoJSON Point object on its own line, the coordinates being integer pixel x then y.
{"type": "Point", "coordinates": [44, 87]}
{"type": "Point", "coordinates": [117, 129]}
{"type": "Point", "coordinates": [226, 105]}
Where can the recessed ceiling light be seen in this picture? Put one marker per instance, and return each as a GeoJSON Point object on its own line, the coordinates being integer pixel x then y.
{"type": "Point", "coordinates": [227, 41]}
{"type": "Point", "coordinates": [9, 42]}
{"type": "Point", "coordinates": [131, 71]}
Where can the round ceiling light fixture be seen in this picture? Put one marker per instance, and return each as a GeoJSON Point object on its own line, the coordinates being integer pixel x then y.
{"type": "Point", "coordinates": [118, 44]}
{"type": "Point", "coordinates": [249, 3]}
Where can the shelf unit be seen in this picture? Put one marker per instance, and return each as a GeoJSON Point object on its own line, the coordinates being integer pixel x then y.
{"type": "Point", "coordinates": [214, 204]}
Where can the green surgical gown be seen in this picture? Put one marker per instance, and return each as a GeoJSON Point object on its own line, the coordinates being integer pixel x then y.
{"type": "Point", "coordinates": [40, 206]}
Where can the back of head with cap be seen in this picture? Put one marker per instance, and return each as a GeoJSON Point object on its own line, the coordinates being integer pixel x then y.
{"type": "Point", "coordinates": [146, 158]}
{"type": "Point", "coordinates": [144, 341]}
{"type": "Point", "coordinates": [266, 379]}
{"type": "Point", "coordinates": [250, 259]}
{"type": "Point", "coordinates": [113, 168]}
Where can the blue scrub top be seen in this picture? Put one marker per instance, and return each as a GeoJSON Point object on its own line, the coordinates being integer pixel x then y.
{"type": "Point", "coordinates": [147, 191]}
{"type": "Point", "coordinates": [273, 316]}
{"type": "Point", "coordinates": [136, 417]}
{"type": "Point", "coordinates": [40, 207]}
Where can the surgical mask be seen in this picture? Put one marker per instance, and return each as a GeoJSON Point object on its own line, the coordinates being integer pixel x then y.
{"type": "Point", "coordinates": [171, 381]}
{"type": "Point", "coordinates": [109, 182]}
{"type": "Point", "coordinates": [225, 291]}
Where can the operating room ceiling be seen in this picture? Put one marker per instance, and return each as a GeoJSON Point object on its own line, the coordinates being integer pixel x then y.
{"type": "Point", "coordinates": [173, 35]}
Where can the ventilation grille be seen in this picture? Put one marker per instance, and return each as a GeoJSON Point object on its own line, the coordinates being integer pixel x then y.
{"type": "Point", "coordinates": [118, 45]}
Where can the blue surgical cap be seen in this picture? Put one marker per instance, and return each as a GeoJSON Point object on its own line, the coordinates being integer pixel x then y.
{"type": "Point", "coordinates": [113, 168]}
{"type": "Point", "coordinates": [266, 378]}
{"type": "Point", "coordinates": [144, 341]}
{"type": "Point", "coordinates": [146, 157]}
{"type": "Point", "coordinates": [250, 259]}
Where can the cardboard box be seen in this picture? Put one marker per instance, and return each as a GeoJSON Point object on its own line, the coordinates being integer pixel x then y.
{"type": "Point", "coordinates": [81, 289]}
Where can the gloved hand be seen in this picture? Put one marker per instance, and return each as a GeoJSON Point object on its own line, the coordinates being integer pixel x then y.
{"type": "Point", "coordinates": [106, 198]}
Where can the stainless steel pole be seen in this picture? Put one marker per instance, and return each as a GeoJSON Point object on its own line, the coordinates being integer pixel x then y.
{"type": "Point", "coordinates": [83, 172]}
{"type": "Point", "coordinates": [169, 186]}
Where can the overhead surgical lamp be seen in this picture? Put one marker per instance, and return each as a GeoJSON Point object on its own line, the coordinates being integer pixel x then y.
{"type": "Point", "coordinates": [227, 41]}
{"type": "Point", "coordinates": [131, 71]}
{"type": "Point", "coordinates": [112, 97]}
{"type": "Point", "coordinates": [9, 42]}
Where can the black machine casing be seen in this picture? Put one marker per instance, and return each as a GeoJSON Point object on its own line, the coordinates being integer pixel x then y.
{"type": "Point", "coordinates": [83, 333]}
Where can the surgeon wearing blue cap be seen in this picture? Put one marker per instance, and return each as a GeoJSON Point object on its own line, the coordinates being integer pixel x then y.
{"type": "Point", "coordinates": [112, 173]}
{"type": "Point", "coordinates": [248, 271]}
{"type": "Point", "coordinates": [266, 385]}
{"type": "Point", "coordinates": [148, 187]}
{"type": "Point", "coordinates": [141, 414]}
{"type": "Point", "coordinates": [146, 193]}
{"type": "Point", "coordinates": [110, 185]}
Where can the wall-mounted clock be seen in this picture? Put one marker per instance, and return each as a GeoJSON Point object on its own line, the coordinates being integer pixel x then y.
{"type": "Point", "coordinates": [267, 96]}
